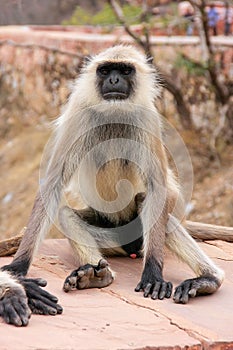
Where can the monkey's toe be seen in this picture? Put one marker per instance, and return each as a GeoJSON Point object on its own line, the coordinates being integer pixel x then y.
{"type": "Point", "coordinates": [195, 286]}
{"type": "Point", "coordinates": [185, 291]}
{"type": "Point", "coordinates": [102, 264]}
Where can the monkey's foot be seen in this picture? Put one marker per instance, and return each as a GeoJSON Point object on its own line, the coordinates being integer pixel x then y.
{"type": "Point", "coordinates": [14, 305]}
{"type": "Point", "coordinates": [40, 301]}
{"type": "Point", "coordinates": [89, 276]}
{"type": "Point", "coordinates": [194, 287]}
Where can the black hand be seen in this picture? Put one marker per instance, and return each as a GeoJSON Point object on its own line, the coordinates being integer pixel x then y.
{"type": "Point", "coordinates": [152, 282]}
{"type": "Point", "coordinates": [39, 300]}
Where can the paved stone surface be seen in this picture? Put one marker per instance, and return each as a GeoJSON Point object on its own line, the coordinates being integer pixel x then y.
{"type": "Point", "coordinates": [117, 318]}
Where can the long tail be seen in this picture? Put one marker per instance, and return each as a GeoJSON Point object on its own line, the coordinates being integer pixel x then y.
{"type": "Point", "coordinates": [202, 231]}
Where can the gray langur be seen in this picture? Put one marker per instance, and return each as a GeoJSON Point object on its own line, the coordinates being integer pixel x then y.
{"type": "Point", "coordinates": [108, 141]}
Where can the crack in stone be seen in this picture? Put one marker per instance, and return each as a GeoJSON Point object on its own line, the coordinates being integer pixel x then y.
{"type": "Point", "coordinates": [224, 259]}
{"type": "Point", "coordinates": [193, 334]}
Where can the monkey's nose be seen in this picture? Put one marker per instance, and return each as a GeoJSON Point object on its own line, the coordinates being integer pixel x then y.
{"type": "Point", "coordinates": [114, 80]}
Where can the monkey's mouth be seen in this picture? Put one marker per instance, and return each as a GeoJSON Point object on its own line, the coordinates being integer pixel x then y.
{"type": "Point", "coordinates": [115, 95]}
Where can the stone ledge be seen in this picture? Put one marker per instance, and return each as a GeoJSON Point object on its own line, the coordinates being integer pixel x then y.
{"type": "Point", "coordinates": [117, 318]}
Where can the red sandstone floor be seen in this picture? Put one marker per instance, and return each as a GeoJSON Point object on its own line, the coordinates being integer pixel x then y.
{"type": "Point", "coordinates": [117, 318]}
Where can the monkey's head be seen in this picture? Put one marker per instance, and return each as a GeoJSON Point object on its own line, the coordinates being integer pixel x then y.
{"type": "Point", "coordinates": [117, 75]}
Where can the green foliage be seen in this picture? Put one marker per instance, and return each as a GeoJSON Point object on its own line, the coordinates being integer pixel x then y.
{"type": "Point", "coordinates": [104, 17]}
{"type": "Point", "coordinates": [191, 67]}
{"type": "Point", "coordinates": [79, 17]}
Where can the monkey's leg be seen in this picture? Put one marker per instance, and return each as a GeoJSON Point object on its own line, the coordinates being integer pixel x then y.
{"type": "Point", "coordinates": [152, 282]}
{"type": "Point", "coordinates": [209, 276]}
{"type": "Point", "coordinates": [79, 228]}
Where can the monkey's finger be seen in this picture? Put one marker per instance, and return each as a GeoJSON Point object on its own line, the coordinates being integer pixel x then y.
{"type": "Point", "coordinates": [184, 298]}
{"type": "Point", "coordinates": [38, 307]}
{"type": "Point", "coordinates": [33, 290]}
{"type": "Point", "coordinates": [26, 314]}
{"type": "Point", "coordinates": [192, 293]}
{"type": "Point", "coordinates": [1, 308]}
{"type": "Point", "coordinates": [138, 287]}
{"type": "Point", "coordinates": [42, 296]}
{"type": "Point", "coordinates": [11, 316]}
{"type": "Point", "coordinates": [39, 281]}
{"type": "Point", "coordinates": [44, 306]}
{"type": "Point", "coordinates": [177, 294]}
{"type": "Point", "coordinates": [156, 289]}
{"type": "Point", "coordinates": [163, 290]}
{"type": "Point", "coordinates": [147, 290]}
{"type": "Point", "coordinates": [169, 290]}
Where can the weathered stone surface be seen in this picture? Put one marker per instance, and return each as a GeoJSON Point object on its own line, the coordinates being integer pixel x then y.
{"type": "Point", "coordinates": [116, 317]}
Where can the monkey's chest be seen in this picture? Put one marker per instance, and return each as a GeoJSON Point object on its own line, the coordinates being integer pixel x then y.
{"type": "Point", "coordinates": [118, 179]}
{"type": "Point", "coordinates": [111, 188]}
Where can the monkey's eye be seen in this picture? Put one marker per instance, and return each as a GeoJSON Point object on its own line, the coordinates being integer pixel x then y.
{"type": "Point", "coordinates": [103, 71]}
{"type": "Point", "coordinates": [127, 71]}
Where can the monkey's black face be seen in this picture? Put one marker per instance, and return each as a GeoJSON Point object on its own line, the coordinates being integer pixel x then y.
{"type": "Point", "coordinates": [115, 80]}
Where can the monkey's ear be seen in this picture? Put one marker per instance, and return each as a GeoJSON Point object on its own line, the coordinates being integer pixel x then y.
{"type": "Point", "coordinates": [149, 59]}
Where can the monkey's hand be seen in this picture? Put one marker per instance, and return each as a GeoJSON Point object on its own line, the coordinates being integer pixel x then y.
{"type": "Point", "coordinates": [89, 276]}
{"type": "Point", "coordinates": [153, 284]}
{"type": "Point", "coordinates": [195, 286]}
{"type": "Point", "coordinates": [39, 300]}
{"type": "Point", "coordinates": [13, 305]}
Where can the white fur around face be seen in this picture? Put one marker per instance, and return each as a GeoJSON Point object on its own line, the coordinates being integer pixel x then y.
{"type": "Point", "coordinates": [85, 92]}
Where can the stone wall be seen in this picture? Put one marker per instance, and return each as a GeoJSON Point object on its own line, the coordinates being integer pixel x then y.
{"type": "Point", "coordinates": [35, 80]}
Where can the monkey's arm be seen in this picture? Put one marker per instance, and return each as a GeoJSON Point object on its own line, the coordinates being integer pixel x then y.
{"type": "Point", "coordinates": [17, 290]}
{"type": "Point", "coordinates": [154, 216]}
{"type": "Point", "coordinates": [154, 223]}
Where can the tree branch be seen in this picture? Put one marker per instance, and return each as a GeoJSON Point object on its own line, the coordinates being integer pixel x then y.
{"type": "Point", "coordinates": [9, 246]}
{"type": "Point", "coordinates": [120, 16]}
{"type": "Point", "coordinates": [182, 108]}
{"type": "Point", "coordinates": [221, 91]}
{"type": "Point", "coordinates": [209, 232]}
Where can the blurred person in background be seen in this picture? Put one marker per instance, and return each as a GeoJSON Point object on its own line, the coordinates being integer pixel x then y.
{"type": "Point", "coordinates": [189, 17]}
{"type": "Point", "coordinates": [228, 19]}
{"type": "Point", "coordinates": [213, 17]}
